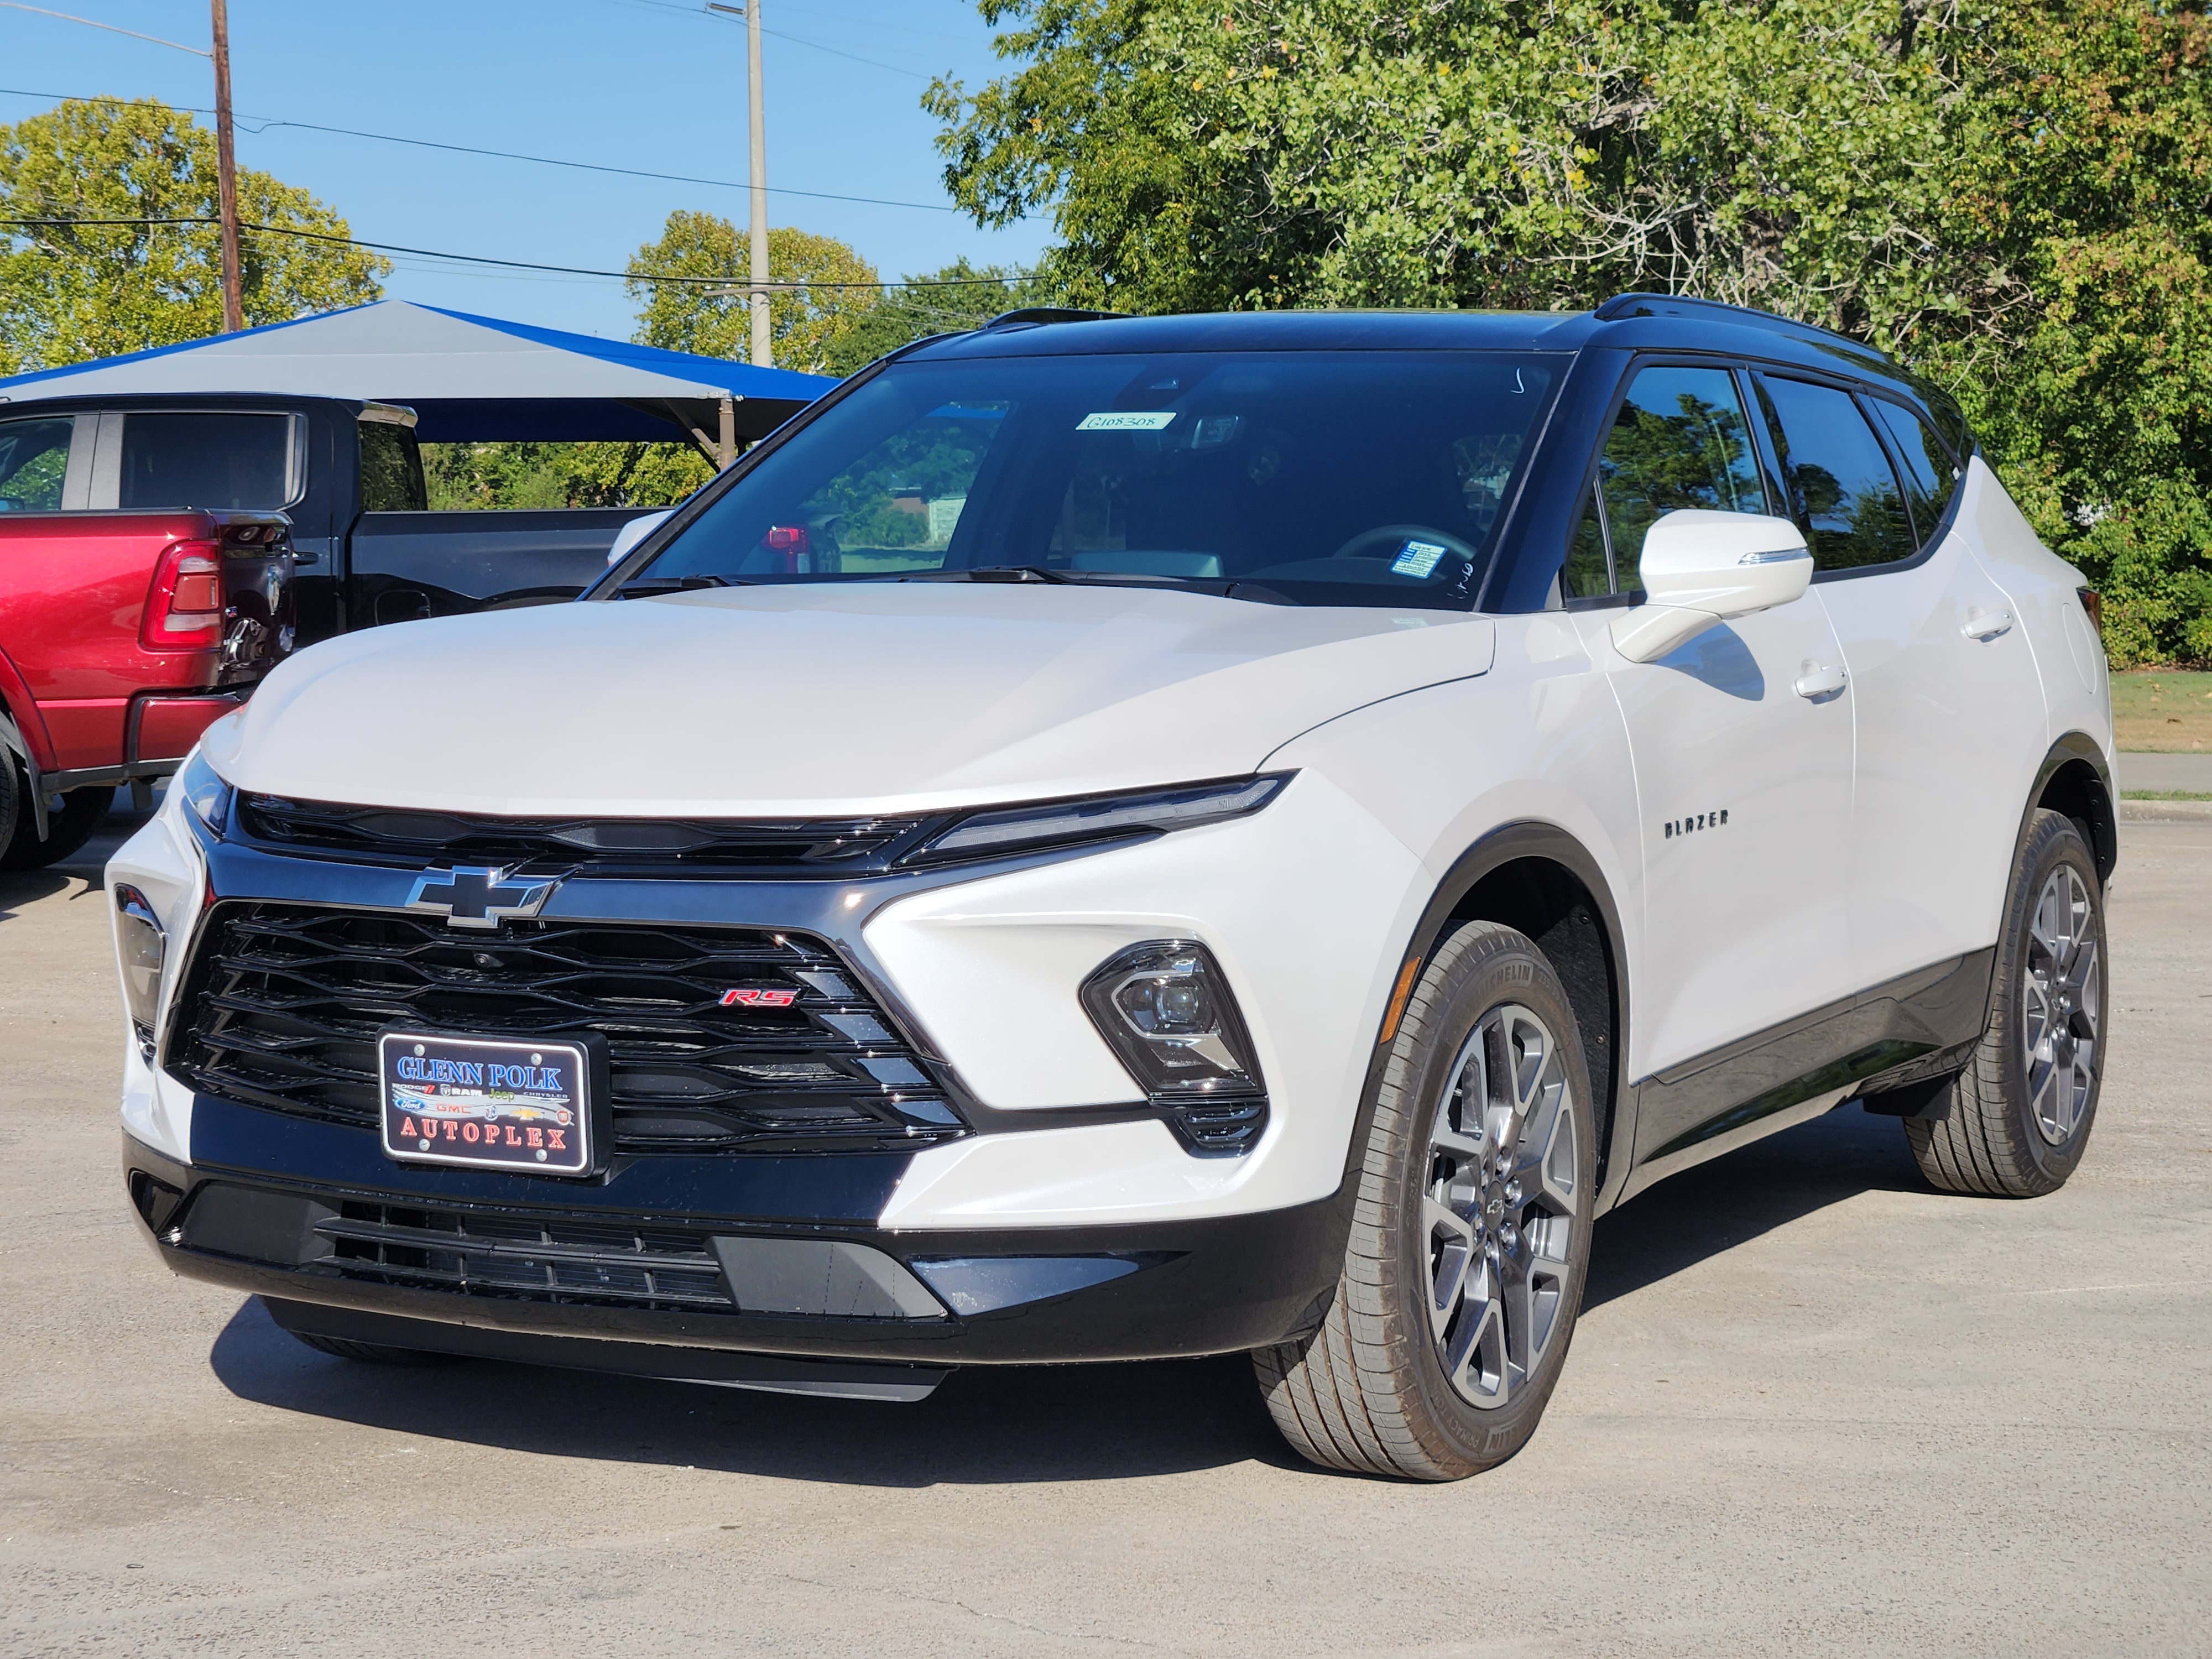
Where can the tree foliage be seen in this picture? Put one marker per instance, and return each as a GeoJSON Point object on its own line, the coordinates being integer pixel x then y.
{"type": "Point", "coordinates": [690, 317]}
{"type": "Point", "coordinates": [2014, 195]}
{"type": "Point", "coordinates": [68, 294]}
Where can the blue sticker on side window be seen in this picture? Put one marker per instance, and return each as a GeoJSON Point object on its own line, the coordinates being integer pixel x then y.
{"type": "Point", "coordinates": [1417, 559]}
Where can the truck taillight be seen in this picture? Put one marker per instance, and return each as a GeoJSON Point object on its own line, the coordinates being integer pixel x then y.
{"type": "Point", "coordinates": [184, 607]}
{"type": "Point", "coordinates": [789, 540]}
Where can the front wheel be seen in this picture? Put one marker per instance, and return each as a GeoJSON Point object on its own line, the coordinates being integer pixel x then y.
{"type": "Point", "coordinates": [2015, 1123]}
{"type": "Point", "coordinates": [71, 821]}
{"type": "Point", "coordinates": [1463, 1273]}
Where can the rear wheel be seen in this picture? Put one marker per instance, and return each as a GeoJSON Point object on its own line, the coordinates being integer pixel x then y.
{"type": "Point", "coordinates": [2016, 1121]}
{"type": "Point", "coordinates": [1463, 1273]}
{"type": "Point", "coordinates": [71, 821]}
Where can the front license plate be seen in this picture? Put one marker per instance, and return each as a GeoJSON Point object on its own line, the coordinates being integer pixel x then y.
{"type": "Point", "coordinates": [486, 1103]}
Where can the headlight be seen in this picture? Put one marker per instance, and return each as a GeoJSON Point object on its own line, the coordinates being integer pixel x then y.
{"type": "Point", "coordinates": [207, 794]}
{"type": "Point", "coordinates": [1097, 818]}
{"type": "Point", "coordinates": [140, 945]}
{"type": "Point", "coordinates": [1164, 1007]}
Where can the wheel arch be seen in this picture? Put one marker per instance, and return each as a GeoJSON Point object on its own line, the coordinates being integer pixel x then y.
{"type": "Point", "coordinates": [2076, 779]}
{"type": "Point", "coordinates": [1540, 880]}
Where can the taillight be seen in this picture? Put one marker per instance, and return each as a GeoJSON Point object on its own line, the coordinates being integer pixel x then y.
{"type": "Point", "coordinates": [2094, 603]}
{"type": "Point", "coordinates": [789, 540]}
{"type": "Point", "coordinates": [184, 607]}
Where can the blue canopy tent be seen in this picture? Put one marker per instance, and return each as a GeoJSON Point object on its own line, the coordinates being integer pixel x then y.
{"type": "Point", "coordinates": [468, 379]}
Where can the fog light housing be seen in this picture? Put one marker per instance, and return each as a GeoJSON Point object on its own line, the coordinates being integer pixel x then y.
{"type": "Point", "coordinates": [140, 946]}
{"type": "Point", "coordinates": [1166, 1009]}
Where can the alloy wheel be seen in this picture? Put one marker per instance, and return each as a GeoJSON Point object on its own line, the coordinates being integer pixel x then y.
{"type": "Point", "coordinates": [1499, 1206]}
{"type": "Point", "coordinates": [2063, 1001]}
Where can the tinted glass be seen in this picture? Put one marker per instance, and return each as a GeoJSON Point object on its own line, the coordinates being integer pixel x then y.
{"type": "Point", "coordinates": [1680, 440]}
{"type": "Point", "coordinates": [391, 470]}
{"type": "Point", "coordinates": [1842, 491]}
{"type": "Point", "coordinates": [1587, 576]}
{"type": "Point", "coordinates": [1930, 480]}
{"type": "Point", "coordinates": [34, 458]}
{"type": "Point", "coordinates": [207, 460]}
{"type": "Point", "coordinates": [1330, 478]}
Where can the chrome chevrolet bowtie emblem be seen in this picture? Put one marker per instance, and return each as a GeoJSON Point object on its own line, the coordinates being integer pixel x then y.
{"type": "Point", "coordinates": [470, 895]}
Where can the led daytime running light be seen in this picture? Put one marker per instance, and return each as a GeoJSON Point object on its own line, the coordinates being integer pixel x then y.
{"type": "Point", "coordinates": [1098, 817]}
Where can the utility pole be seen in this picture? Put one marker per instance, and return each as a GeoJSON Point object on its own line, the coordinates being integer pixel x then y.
{"type": "Point", "coordinates": [233, 297]}
{"type": "Point", "coordinates": [763, 352]}
{"type": "Point", "coordinates": [757, 218]}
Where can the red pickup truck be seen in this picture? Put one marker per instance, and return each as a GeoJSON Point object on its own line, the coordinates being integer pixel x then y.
{"type": "Point", "coordinates": [122, 636]}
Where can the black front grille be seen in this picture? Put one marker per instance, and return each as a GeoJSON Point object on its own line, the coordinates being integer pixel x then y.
{"type": "Point", "coordinates": [786, 848]}
{"type": "Point", "coordinates": [554, 1259]}
{"type": "Point", "coordinates": [285, 1001]}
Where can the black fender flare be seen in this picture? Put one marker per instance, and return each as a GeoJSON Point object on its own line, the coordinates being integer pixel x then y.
{"type": "Point", "coordinates": [1511, 843]}
{"type": "Point", "coordinates": [2103, 802]}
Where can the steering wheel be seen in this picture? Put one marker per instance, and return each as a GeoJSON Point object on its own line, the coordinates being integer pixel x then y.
{"type": "Point", "coordinates": [1389, 538]}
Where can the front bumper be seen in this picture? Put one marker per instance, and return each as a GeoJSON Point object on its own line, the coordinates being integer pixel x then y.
{"type": "Point", "coordinates": [263, 1208]}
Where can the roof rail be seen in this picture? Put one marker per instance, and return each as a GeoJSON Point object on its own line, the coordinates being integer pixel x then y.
{"type": "Point", "coordinates": [1033, 314]}
{"type": "Point", "coordinates": [1654, 305]}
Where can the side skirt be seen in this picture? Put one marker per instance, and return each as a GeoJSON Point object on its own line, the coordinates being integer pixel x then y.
{"type": "Point", "coordinates": [1917, 1026]}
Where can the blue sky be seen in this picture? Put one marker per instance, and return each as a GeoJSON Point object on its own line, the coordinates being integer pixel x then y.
{"type": "Point", "coordinates": [652, 84]}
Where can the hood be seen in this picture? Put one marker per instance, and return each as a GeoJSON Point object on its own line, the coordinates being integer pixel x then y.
{"type": "Point", "coordinates": [821, 701]}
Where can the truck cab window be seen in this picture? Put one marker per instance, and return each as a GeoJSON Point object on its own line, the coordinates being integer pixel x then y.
{"type": "Point", "coordinates": [34, 457]}
{"type": "Point", "coordinates": [391, 470]}
{"type": "Point", "coordinates": [1842, 491]}
{"type": "Point", "coordinates": [1680, 440]}
{"type": "Point", "coordinates": [207, 460]}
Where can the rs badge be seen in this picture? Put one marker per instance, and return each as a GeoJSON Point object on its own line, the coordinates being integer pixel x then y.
{"type": "Point", "coordinates": [751, 999]}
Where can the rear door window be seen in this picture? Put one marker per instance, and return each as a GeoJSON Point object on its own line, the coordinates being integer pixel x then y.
{"type": "Point", "coordinates": [1680, 441]}
{"type": "Point", "coordinates": [391, 470]}
{"type": "Point", "coordinates": [209, 460]}
{"type": "Point", "coordinates": [1931, 478]}
{"type": "Point", "coordinates": [1842, 490]}
{"type": "Point", "coordinates": [34, 461]}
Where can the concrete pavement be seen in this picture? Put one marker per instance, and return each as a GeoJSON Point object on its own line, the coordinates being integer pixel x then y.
{"type": "Point", "coordinates": [1813, 1408]}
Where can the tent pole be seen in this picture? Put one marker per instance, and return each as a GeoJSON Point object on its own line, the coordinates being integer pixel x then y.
{"type": "Point", "coordinates": [729, 435]}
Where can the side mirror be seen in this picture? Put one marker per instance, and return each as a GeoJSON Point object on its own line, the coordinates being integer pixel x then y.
{"type": "Point", "coordinates": [634, 532]}
{"type": "Point", "coordinates": [1699, 568]}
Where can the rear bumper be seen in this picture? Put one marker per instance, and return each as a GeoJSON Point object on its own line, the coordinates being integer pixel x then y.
{"type": "Point", "coordinates": [121, 740]}
{"type": "Point", "coordinates": [258, 1207]}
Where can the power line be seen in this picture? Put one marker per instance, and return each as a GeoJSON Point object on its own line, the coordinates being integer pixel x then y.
{"type": "Point", "coordinates": [93, 23]}
{"type": "Point", "coordinates": [522, 265]}
{"type": "Point", "coordinates": [266, 124]}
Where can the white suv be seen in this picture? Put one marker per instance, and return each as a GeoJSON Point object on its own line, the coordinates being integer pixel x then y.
{"type": "Point", "coordinates": [1109, 839]}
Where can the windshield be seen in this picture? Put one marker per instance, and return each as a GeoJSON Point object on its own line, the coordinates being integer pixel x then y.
{"type": "Point", "coordinates": [1362, 477]}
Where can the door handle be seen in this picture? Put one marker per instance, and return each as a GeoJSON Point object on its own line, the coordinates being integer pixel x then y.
{"type": "Point", "coordinates": [1822, 679]}
{"type": "Point", "coordinates": [1986, 624]}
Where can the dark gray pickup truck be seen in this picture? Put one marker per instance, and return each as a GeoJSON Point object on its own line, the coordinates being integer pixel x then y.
{"type": "Point", "coordinates": [349, 476]}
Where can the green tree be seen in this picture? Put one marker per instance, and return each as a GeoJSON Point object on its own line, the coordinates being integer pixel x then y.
{"type": "Point", "coordinates": [68, 294]}
{"type": "Point", "coordinates": [2015, 195]}
{"type": "Point", "coordinates": [689, 316]}
{"type": "Point", "coordinates": [957, 296]}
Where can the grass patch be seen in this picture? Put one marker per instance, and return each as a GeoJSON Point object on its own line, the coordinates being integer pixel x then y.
{"type": "Point", "coordinates": [2163, 711]}
{"type": "Point", "coordinates": [2162, 795]}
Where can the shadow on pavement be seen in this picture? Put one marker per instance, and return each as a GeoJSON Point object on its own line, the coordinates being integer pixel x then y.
{"type": "Point", "coordinates": [986, 1425]}
{"type": "Point", "coordinates": [997, 1425]}
{"type": "Point", "coordinates": [1705, 1212]}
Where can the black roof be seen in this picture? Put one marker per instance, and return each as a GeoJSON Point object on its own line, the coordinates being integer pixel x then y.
{"type": "Point", "coordinates": [1636, 322]}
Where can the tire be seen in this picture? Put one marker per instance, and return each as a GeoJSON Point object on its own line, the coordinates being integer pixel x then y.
{"type": "Point", "coordinates": [1373, 1390]}
{"type": "Point", "coordinates": [368, 1354]}
{"type": "Point", "coordinates": [13, 803]}
{"type": "Point", "coordinates": [69, 827]}
{"type": "Point", "coordinates": [2019, 1115]}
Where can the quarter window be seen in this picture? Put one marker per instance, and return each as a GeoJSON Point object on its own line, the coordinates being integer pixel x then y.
{"type": "Point", "coordinates": [33, 459]}
{"type": "Point", "coordinates": [1842, 491]}
{"type": "Point", "coordinates": [1931, 478]}
{"type": "Point", "coordinates": [1680, 440]}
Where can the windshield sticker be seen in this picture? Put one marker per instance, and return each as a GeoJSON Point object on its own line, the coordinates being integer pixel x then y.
{"type": "Point", "coordinates": [1125, 420]}
{"type": "Point", "coordinates": [1417, 559]}
{"type": "Point", "coordinates": [967, 412]}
